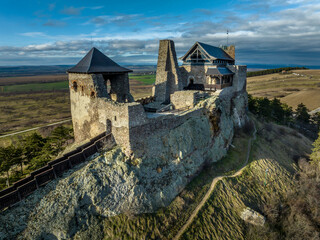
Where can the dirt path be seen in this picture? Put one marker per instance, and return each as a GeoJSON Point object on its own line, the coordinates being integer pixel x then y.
{"type": "Point", "coordinates": [213, 184]}
{"type": "Point", "coordinates": [31, 129]}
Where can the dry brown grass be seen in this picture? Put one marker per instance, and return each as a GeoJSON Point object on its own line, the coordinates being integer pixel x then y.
{"type": "Point", "coordinates": [290, 88]}
{"type": "Point", "coordinates": [24, 111]}
{"type": "Point", "coordinates": [309, 97]}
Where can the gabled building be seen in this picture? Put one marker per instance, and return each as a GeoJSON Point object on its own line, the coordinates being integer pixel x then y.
{"type": "Point", "coordinates": [201, 53]}
{"type": "Point", "coordinates": [207, 67]}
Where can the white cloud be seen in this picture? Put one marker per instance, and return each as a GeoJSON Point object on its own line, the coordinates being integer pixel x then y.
{"type": "Point", "coordinates": [288, 35]}
{"type": "Point", "coordinates": [33, 34]}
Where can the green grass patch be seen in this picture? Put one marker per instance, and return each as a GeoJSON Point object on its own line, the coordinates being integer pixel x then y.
{"type": "Point", "coordinates": [147, 79]}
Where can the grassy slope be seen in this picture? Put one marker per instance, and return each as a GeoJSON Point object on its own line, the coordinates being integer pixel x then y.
{"type": "Point", "coordinates": [166, 222]}
{"type": "Point", "coordinates": [292, 89]}
{"type": "Point", "coordinates": [220, 216]}
{"type": "Point", "coordinates": [273, 150]}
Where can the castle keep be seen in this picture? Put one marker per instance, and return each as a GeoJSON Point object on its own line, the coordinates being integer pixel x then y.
{"type": "Point", "coordinates": [101, 99]}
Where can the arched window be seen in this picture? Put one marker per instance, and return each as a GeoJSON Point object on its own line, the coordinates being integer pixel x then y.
{"type": "Point", "coordinates": [92, 94]}
{"type": "Point", "coordinates": [74, 85]}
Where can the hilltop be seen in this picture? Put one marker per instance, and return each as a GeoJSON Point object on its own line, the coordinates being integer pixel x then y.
{"type": "Point", "coordinates": [220, 216]}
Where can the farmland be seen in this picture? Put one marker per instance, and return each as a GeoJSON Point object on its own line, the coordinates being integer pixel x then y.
{"type": "Point", "coordinates": [292, 88]}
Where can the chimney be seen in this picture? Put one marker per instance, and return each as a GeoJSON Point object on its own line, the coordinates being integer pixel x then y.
{"type": "Point", "coordinates": [231, 50]}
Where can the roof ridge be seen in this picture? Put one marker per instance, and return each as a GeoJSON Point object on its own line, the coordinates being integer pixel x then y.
{"type": "Point", "coordinates": [89, 65]}
{"type": "Point", "coordinates": [97, 62]}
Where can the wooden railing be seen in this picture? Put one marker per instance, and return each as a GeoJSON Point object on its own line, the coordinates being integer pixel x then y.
{"type": "Point", "coordinates": [53, 170]}
{"type": "Point", "coordinates": [214, 87]}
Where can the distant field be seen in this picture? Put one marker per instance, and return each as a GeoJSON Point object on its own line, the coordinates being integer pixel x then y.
{"type": "Point", "coordinates": [23, 105]}
{"type": "Point", "coordinates": [302, 86]}
{"type": "Point", "coordinates": [310, 97]}
{"type": "Point", "coordinates": [147, 79]}
{"type": "Point", "coordinates": [24, 111]}
{"type": "Point", "coordinates": [4, 81]}
{"type": "Point", "coordinates": [141, 85]}
{"type": "Point", "coordinates": [35, 87]}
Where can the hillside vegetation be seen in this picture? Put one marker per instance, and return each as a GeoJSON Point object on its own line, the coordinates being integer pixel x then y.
{"type": "Point", "coordinates": [296, 215]}
{"type": "Point", "coordinates": [220, 217]}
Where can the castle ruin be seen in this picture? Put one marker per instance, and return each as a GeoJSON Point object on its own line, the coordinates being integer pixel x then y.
{"type": "Point", "coordinates": [101, 99]}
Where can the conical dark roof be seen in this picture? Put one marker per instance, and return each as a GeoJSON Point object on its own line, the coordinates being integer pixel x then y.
{"type": "Point", "coordinates": [96, 62]}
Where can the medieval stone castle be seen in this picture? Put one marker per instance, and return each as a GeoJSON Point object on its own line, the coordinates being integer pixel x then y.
{"type": "Point", "coordinates": [101, 99]}
{"type": "Point", "coordinates": [188, 122]}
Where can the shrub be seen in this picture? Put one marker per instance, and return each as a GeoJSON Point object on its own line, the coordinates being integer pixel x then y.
{"type": "Point", "coordinates": [248, 127]}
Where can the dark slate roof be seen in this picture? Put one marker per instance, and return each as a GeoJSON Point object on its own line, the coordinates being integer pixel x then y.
{"type": "Point", "coordinates": [96, 62]}
{"type": "Point", "coordinates": [215, 52]}
{"type": "Point", "coordinates": [219, 71]}
{"type": "Point", "coordinates": [212, 52]}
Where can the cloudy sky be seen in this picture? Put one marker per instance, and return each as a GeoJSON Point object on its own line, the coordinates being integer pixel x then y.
{"type": "Point", "coordinates": [39, 32]}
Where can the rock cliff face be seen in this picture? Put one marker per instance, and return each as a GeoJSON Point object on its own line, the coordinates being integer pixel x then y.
{"type": "Point", "coordinates": [112, 183]}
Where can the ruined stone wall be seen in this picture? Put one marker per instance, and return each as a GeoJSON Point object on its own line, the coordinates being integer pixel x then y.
{"type": "Point", "coordinates": [239, 78]}
{"type": "Point", "coordinates": [168, 75]}
{"type": "Point", "coordinates": [141, 135]}
{"type": "Point", "coordinates": [120, 91]}
{"type": "Point", "coordinates": [183, 99]}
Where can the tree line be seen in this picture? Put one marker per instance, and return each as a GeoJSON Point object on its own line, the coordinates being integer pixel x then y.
{"type": "Point", "coordinates": [270, 71]}
{"type": "Point", "coordinates": [281, 113]}
{"type": "Point", "coordinates": [31, 153]}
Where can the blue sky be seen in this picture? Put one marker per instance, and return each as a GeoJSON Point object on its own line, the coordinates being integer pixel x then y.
{"type": "Point", "coordinates": [38, 32]}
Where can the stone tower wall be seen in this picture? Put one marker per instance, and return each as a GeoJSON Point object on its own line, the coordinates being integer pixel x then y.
{"type": "Point", "coordinates": [93, 112]}
{"type": "Point", "coordinates": [168, 76]}
{"type": "Point", "coordinates": [231, 50]}
{"type": "Point", "coordinates": [239, 78]}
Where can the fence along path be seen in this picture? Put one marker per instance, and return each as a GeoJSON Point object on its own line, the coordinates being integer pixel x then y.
{"type": "Point", "coordinates": [53, 170]}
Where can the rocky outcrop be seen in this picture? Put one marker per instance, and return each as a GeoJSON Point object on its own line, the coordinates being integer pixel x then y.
{"type": "Point", "coordinates": [113, 183]}
{"type": "Point", "coordinates": [250, 216]}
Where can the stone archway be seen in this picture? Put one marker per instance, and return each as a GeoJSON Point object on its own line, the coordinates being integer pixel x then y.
{"type": "Point", "coordinates": [190, 80]}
